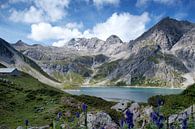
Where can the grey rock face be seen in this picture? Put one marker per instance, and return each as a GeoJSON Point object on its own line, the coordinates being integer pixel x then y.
{"type": "Point", "coordinates": [182, 115]}
{"type": "Point", "coordinates": [113, 39]}
{"type": "Point", "coordinates": [121, 106]}
{"type": "Point", "coordinates": [164, 55]}
{"type": "Point", "coordinates": [98, 120]}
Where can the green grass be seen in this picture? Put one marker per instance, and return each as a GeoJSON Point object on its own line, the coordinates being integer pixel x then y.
{"type": "Point", "coordinates": [70, 79]}
{"type": "Point", "coordinates": [24, 97]}
{"type": "Point", "coordinates": [175, 103]}
{"type": "Point", "coordinates": [21, 97]}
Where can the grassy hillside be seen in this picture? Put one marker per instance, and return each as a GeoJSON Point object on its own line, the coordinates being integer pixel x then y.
{"type": "Point", "coordinates": [175, 103]}
{"type": "Point", "coordinates": [24, 97]}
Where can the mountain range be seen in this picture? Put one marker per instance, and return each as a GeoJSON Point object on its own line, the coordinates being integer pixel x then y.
{"type": "Point", "coordinates": [162, 56]}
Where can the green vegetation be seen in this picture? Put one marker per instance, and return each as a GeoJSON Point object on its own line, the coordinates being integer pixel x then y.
{"type": "Point", "coordinates": [101, 104]}
{"type": "Point", "coordinates": [153, 59]}
{"type": "Point", "coordinates": [121, 83]}
{"type": "Point", "coordinates": [72, 79]}
{"type": "Point", "coordinates": [175, 103]}
{"type": "Point", "coordinates": [106, 69]}
{"type": "Point", "coordinates": [24, 97]}
{"type": "Point", "coordinates": [147, 82]}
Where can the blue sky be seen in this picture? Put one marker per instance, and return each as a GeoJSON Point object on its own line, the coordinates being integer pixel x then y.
{"type": "Point", "coordinates": [54, 22]}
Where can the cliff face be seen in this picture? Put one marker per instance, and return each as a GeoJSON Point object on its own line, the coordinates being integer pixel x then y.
{"type": "Point", "coordinates": [162, 56]}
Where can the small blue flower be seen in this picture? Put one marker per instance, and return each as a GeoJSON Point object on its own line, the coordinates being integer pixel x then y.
{"type": "Point", "coordinates": [26, 122]}
{"type": "Point", "coordinates": [157, 119]}
{"type": "Point", "coordinates": [84, 107]}
{"type": "Point", "coordinates": [184, 124]}
{"type": "Point", "coordinates": [59, 115]}
{"type": "Point", "coordinates": [77, 114]}
{"type": "Point", "coordinates": [129, 119]}
{"type": "Point", "coordinates": [121, 122]}
{"type": "Point", "coordinates": [160, 102]}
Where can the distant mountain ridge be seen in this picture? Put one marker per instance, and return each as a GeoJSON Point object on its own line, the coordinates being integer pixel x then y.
{"type": "Point", "coordinates": [10, 57]}
{"type": "Point", "coordinates": [162, 56]}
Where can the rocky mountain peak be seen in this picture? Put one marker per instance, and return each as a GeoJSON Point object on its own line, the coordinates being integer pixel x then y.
{"type": "Point", "coordinates": [20, 43]}
{"type": "Point", "coordinates": [166, 33]}
{"type": "Point", "coordinates": [169, 24]}
{"type": "Point", "coordinates": [113, 39]}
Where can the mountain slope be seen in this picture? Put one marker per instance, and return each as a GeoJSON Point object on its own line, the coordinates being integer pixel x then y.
{"type": "Point", "coordinates": [162, 56]}
{"type": "Point", "coordinates": [10, 57]}
{"type": "Point", "coordinates": [24, 97]}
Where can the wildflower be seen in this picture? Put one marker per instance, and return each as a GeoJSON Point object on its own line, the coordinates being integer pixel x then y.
{"type": "Point", "coordinates": [59, 115]}
{"type": "Point", "coordinates": [77, 114]}
{"type": "Point", "coordinates": [129, 119]}
{"type": "Point", "coordinates": [157, 119]}
{"type": "Point", "coordinates": [84, 107]}
{"type": "Point", "coordinates": [121, 123]}
{"type": "Point", "coordinates": [26, 122]}
{"type": "Point", "coordinates": [160, 102]}
{"type": "Point", "coordinates": [184, 124]}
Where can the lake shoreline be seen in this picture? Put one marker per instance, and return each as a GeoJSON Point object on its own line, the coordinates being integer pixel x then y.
{"type": "Point", "coordinates": [149, 87]}
{"type": "Point", "coordinates": [144, 87]}
{"type": "Point", "coordinates": [133, 93]}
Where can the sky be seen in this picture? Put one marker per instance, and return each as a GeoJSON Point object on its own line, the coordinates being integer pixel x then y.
{"type": "Point", "coordinates": [55, 22]}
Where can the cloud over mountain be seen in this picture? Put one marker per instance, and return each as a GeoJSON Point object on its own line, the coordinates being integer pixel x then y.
{"type": "Point", "coordinates": [125, 25]}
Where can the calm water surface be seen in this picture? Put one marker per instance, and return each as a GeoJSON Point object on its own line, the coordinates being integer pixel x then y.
{"type": "Point", "coordinates": [119, 93]}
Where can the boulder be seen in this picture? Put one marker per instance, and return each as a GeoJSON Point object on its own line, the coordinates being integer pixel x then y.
{"type": "Point", "coordinates": [121, 106]}
{"type": "Point", "coordinates": [41, 127]}
{"type": "Point", "coordinates": [172, 118]}
{"type": "Point", "coordinates": [102, 119]}
{"type": "Point", "coordinates": [97, 120]}
{"type": "Point", "coordinates": [111, 126]}
{"type": "Point", "coordinates": [19, 127]}
{"type": "Point", "coordinates": [135, 109]}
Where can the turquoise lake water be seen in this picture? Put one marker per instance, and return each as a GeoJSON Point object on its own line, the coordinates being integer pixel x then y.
{"type": "Point", "coordinates": [127, 93]}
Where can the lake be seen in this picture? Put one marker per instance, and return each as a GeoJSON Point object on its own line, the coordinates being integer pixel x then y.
{"type": "Point", "coordinates": [127, 93]}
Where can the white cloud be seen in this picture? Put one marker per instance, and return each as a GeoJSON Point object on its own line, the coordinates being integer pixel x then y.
{"type": "Point", "coordinates": [53, 8]}
{"type": "Point", "coordinates": [33, 15]}
{"type": "Point", "coordinates": [125, 25]}
{"type": "Point", "coordinates": [45, 31]}
{"type": "Point", "coordinates": [72, 25]}
{"type": "Point", "coordinates": [141, 3]}
{"type": "Point", "coordinates": [102, 2]}
{"type": "Point", "coordinates": [41, 11]}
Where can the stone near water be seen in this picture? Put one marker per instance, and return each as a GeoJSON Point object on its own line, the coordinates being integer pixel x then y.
{"type": "Point", "coordinates": [121, 106]}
